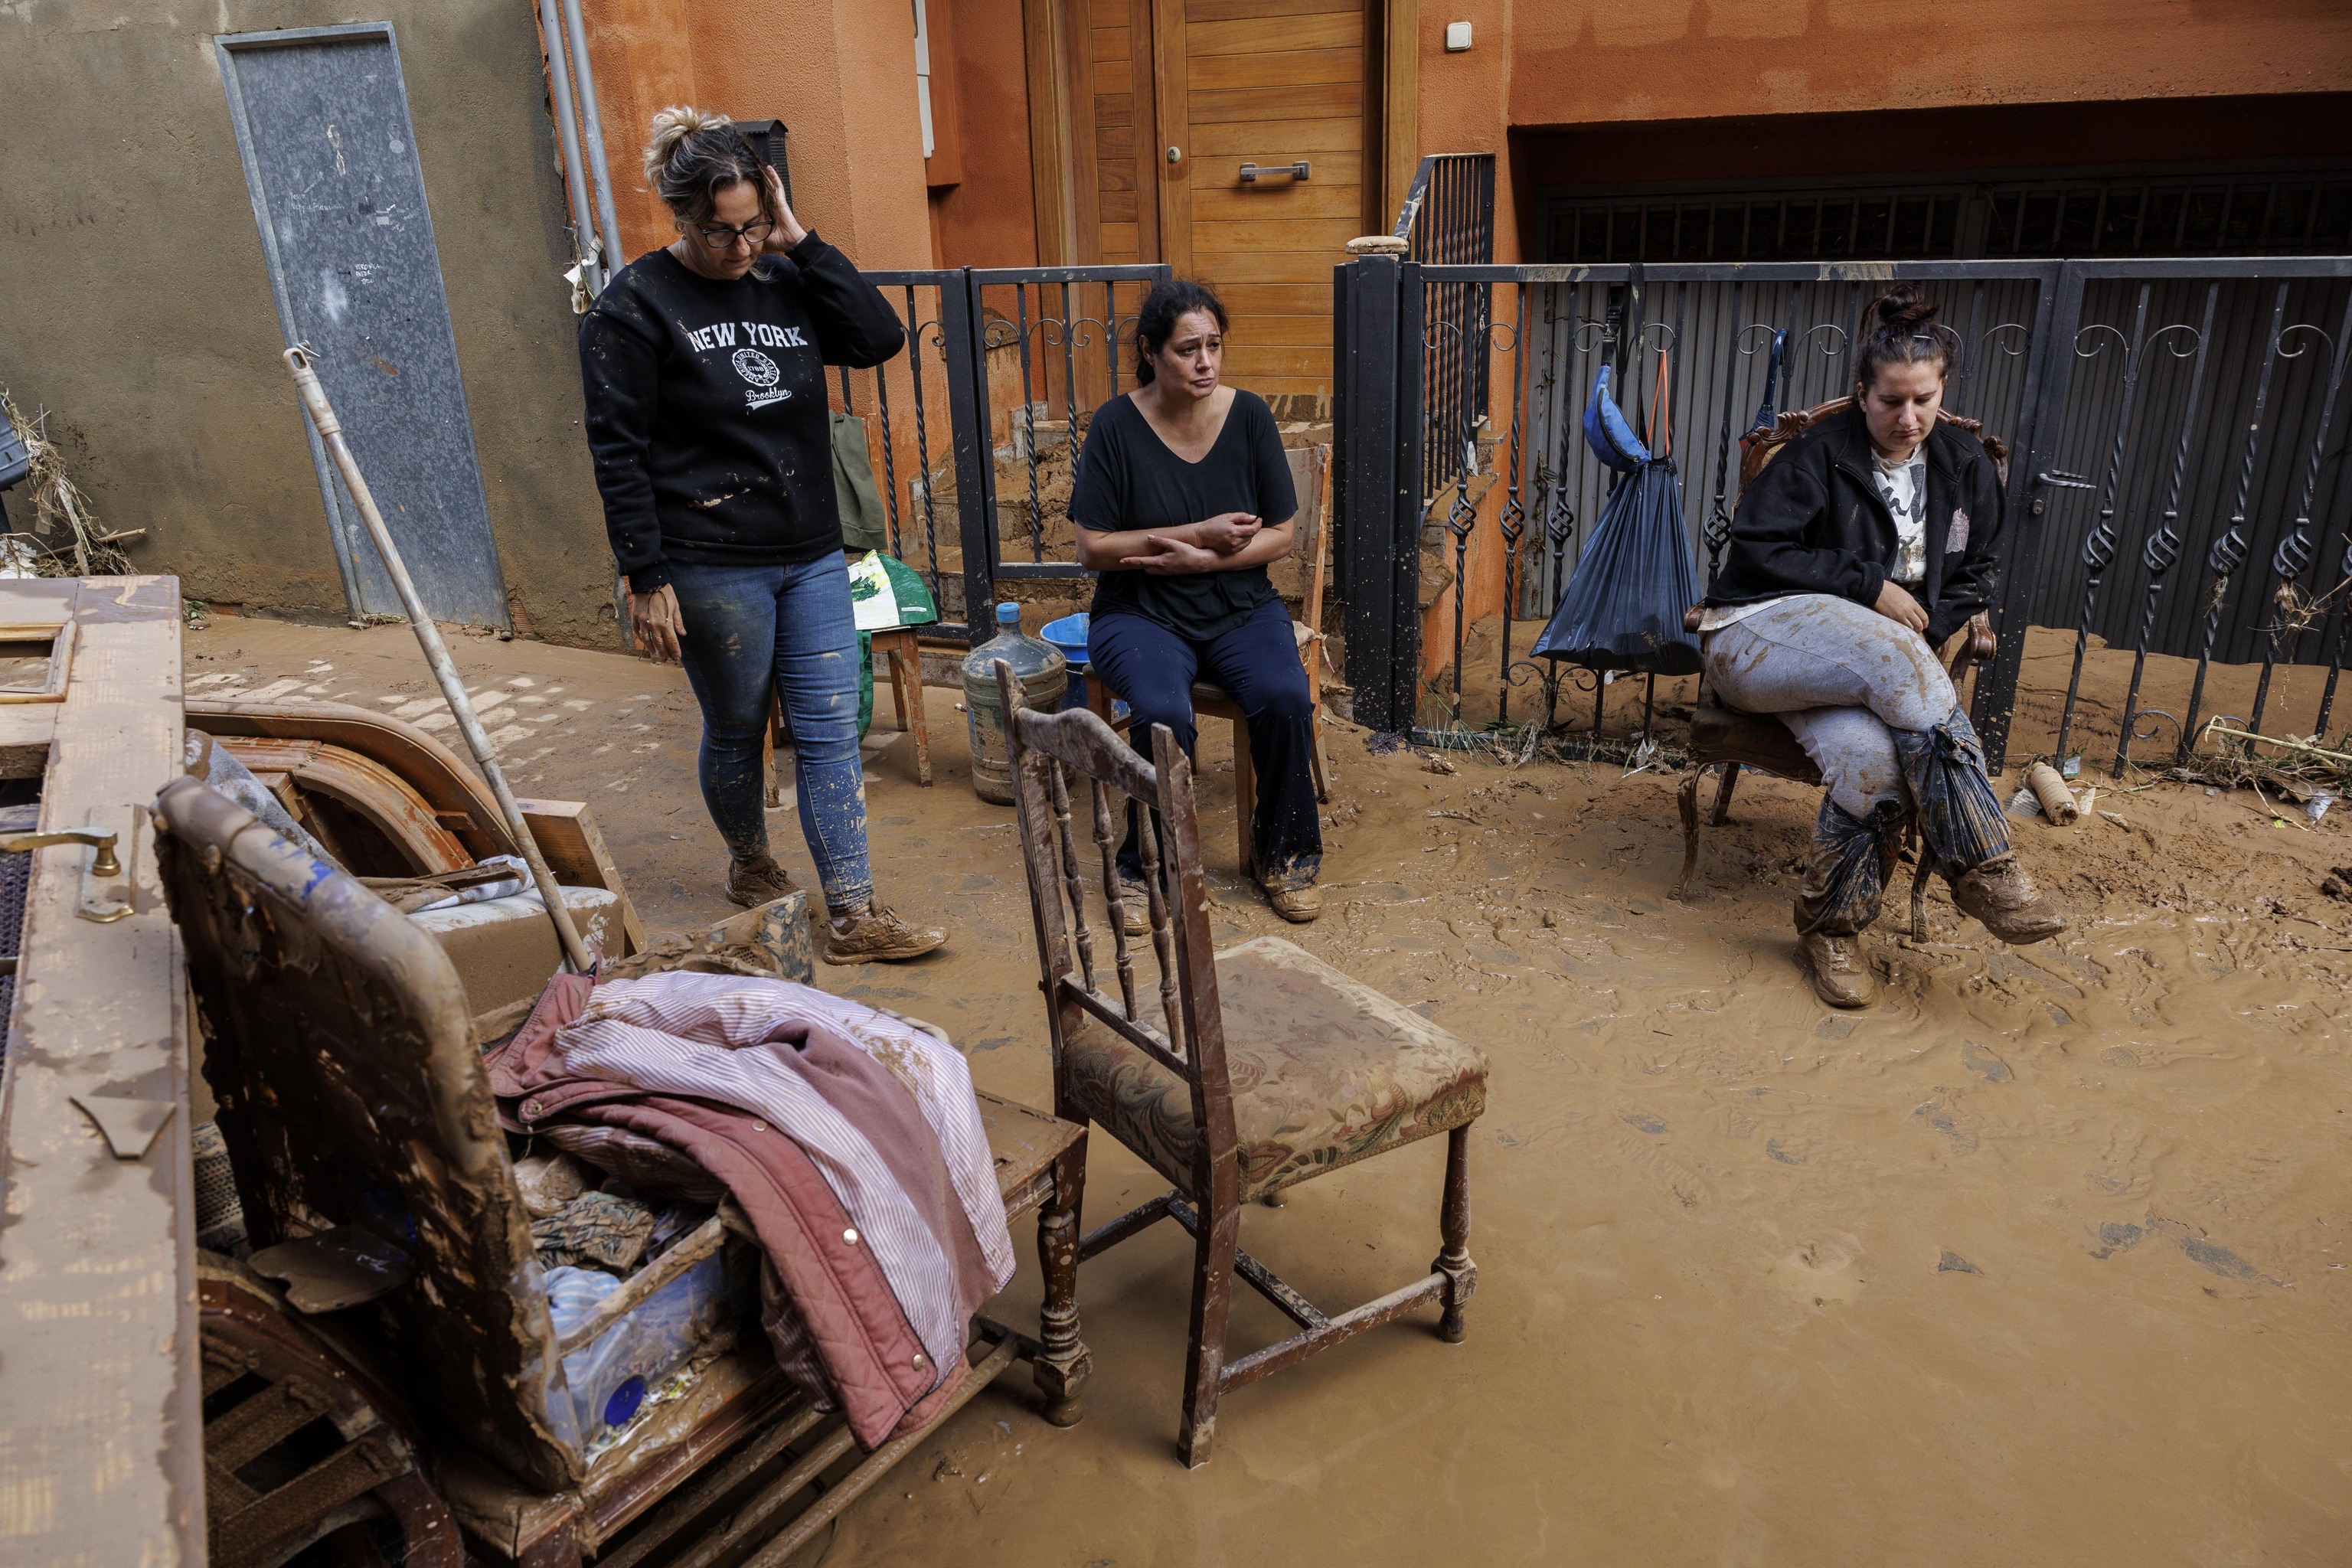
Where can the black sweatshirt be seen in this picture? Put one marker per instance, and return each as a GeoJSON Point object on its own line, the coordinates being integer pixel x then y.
{"type": "Point", "coordinates": [1814, 523]}
{"type": "Point", "coordinates": [706, 407]}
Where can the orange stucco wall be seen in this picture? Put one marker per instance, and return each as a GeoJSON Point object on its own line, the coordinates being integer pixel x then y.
{"type": "Point", "coordinates": [1578, 60]}
{"type": "Point", "coordinates": [840, 74]}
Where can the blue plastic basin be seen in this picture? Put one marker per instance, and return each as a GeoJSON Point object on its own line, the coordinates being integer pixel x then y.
{"type": "Point", "coordinates": [1067, 637]}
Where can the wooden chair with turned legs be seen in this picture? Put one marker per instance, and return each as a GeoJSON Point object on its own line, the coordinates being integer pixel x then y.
{"type": "Point", "coordinates": [1266, 1067]}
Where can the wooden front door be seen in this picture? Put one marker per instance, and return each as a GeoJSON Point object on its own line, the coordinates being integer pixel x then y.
{"type": "Point", "coordinates": [1176, 96]}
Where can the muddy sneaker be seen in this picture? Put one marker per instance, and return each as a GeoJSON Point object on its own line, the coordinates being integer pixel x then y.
{"type": "Point", "coordinates": [1297, 905]}
{"type": "Point", "coordinates": [1134, 908]}
{"type": "Point", "coordinates": [752, 883]}
{"type": "Point", "coordinates": [876, 936]}
{"type": "Point", "coordinates": [1834, 965]}
{"type": "Point", "coordinates": [2000, 894]}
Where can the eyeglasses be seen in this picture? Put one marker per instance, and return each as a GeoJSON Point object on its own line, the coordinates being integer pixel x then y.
{"type": "Point", "coordinates": [722, 237]}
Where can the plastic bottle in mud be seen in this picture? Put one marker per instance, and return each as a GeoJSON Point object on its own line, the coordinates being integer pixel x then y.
{"type": "Point", "coordinates": [1043, 674]}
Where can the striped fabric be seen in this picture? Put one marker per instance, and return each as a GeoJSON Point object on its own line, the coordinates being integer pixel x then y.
{"type": "Point", "coordinates": [1959, 817]}
{"type": "Point", "coordinates": [715, 1038]}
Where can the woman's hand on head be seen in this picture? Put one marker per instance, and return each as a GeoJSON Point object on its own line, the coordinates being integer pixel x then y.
{"type": "Point", "coordinates": [788, 231]}
{"type": "Point", "coordinates": [655, 623]}
{"type": "Point", "coordinates": [1227, 532]}
{"type": "Point", "coordinates": [1896, 604]}
{"type": "Point", "coordinates": [1171, 557]}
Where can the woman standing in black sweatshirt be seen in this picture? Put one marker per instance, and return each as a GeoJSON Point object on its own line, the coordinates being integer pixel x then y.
{"type": "Point", "coordinates": [703, 367]}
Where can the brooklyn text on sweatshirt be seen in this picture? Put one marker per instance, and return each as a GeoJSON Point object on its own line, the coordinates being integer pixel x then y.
{"type": "Point", "coordinates": [705, 407]}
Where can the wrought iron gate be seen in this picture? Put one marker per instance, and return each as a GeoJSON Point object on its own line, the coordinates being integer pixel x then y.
{"type": "Point", "coordinates": [1013, 360]}
{"type": "Point", "coordinates": [2158, 413]}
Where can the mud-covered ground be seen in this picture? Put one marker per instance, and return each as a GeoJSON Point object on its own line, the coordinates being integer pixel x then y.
{"type": "Point", "coordinates": [2041, 1260]}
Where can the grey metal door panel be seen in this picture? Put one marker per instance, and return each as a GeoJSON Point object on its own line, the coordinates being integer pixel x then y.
{"type": "Point", "coordinates": [321, 120]}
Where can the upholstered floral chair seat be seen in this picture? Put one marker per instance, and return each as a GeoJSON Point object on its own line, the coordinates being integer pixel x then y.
{"type": "Point", "coordinates": [1325, 1070]}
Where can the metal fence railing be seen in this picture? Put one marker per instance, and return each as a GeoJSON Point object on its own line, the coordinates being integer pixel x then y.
{"type": "Point", "coordinates": [2176, 486]}
{"type": "Point", "coordinates": [976, 428]}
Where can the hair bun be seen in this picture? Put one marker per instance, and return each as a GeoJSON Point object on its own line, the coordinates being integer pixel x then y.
{"type": "Point", "coordinates": [671, 127]}
{"type": "Point", "coordinates": [1905, 305]}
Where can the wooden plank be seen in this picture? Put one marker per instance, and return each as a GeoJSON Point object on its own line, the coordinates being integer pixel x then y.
{"type": "Point", "coordinates": [1226, 73]}
{"type": "Point", "coordinates": [1328, 234]}
{"type": "Point", "coordinates": [1273, 198]}
{"type": "Point", "coordinates": [98, 1284]}
{"type": "Point", "coordinates": [1297, 331]}
{"type": "Point", "coordinates": [1253, 10]}
{"type": "Point", "coordinates": [1324, 139]}
{"type": "Point", "coordinates": [1273, 386]}
{"type": "Point", "coordinates": [575, 851]}
{"type": "Point", "coordinates": [1108, 43]}
{"type": "Point", "coordinates": [1114, 173]}
{"type": "Point", "coordinates": [1049, 159]}
{"type": "Point", "coordinates": [1115, 206]}
{"type": "Point", "coordinates": [1079, 94]}
{"type": "Point", "coordinates": [1250, 302]}
{"type": "Point", "coordinates": [1400, 105]}
{"type": "Point", "coordinates": [1172, 115]}
{"type": "Point", "coordinates": [1114, 79]}
{"type": "Point", "coordinates": [1319, 100]}
{"type": "Point", "coordinates": [1262, 34]}
{"type": "Point", "coordinates": [1247, 360]}
{"type": "Point", "coordinates": [1116, 143]}
{"type": "Point", "coordinates": [1115, 109]}
{"type": "Point", "coordinates": [1120, 237]}
{"type": "Point", "coordinates": [1144, 153]}
{"type": "Point", "coordinates": [1276, 267]}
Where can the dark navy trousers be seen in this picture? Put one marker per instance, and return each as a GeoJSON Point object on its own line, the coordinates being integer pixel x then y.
{"type": "Point", "coordinates": [1256, 664]}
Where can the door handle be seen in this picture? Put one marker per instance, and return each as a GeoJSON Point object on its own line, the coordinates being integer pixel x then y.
{"type": "Point", "coordinates": [1250, 171]}
{"type": "Point", "coordinates": [2058, 479]}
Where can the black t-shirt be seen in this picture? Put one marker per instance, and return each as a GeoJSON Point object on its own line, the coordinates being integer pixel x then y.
{"type": "Point", "coordinates": [1128, 479]}
{"type": "Point", "coordinates": [706, 408]}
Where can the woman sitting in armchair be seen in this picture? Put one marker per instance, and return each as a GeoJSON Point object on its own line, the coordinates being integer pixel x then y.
{"type": "Point", "coordinates": [1858, 553]}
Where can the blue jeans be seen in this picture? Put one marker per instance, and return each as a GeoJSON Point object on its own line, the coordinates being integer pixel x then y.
{"type": "Point", "coordinates": [1256, 664]}
{"type": "Point", "coordinates": [753, 629]}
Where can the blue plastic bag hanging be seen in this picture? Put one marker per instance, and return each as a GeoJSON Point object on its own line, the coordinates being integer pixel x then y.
{"type": "Point", "coordinates": [1609, 433]}
{"type": "Point", "coordinates": [1624, 606]}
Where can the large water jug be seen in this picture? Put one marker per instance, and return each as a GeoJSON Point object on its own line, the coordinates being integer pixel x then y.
{"type": "Point", "coordinates": [1043, 673]}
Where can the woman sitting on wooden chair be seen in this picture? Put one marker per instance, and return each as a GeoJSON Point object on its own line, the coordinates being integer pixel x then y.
{"type": "Point", "coordinates": [1182, 496]}
{"type": "Point", "coordinates": [1857, 553]}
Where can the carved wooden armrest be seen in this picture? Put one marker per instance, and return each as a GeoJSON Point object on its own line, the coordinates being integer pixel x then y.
{"type": "Point", "coordinates": [1975, 644]}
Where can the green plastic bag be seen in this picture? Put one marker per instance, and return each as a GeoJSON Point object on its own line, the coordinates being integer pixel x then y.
{"type": "Point", "coordinates": [885, 592]}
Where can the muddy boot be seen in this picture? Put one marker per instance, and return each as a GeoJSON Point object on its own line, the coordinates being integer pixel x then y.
{"type": "Point", "coordinates": [1299, 906]}
{"type": "Point", "coordinates": [1134, 907]}
{"type": "Point", "coordinates": [1834, 965]}
{"type": "Point", "coordinates": [876, 935]}
{"type": "Point", "coordinates": [752, 883]}
{"type": "Point", "coordinates": [1845, 880]}
{"type": "Point", "coordinates": [2003, 897]}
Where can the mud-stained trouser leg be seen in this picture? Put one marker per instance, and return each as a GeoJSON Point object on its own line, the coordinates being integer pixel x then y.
{"type": "Point", "coordinates": [1845, 875]}
{"type": "Point", "coordinates": [751, 630]}
{"type": "Point", "coordinates": [1959, 817]}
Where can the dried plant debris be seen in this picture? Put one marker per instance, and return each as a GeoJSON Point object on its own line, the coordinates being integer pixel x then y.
{"type": "Point", "coordinates": [64, 540]}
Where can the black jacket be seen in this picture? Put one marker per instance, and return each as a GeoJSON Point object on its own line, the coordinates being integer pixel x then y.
{"type": "Point", "coordinates": [706, 407]}
{"type": "Point", "coordinates": [1813, 523]}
